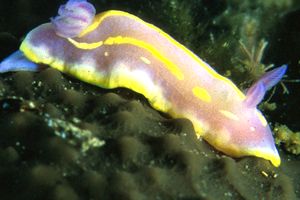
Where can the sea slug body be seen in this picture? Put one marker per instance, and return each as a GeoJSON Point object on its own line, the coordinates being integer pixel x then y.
{"type": "Point", "coordinates": [117, 49]}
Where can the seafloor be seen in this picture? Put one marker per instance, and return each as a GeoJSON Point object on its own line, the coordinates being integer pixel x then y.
{"type": "Point", "coordinates": [63, 139]}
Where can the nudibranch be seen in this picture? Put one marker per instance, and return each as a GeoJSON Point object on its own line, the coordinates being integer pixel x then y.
{"type": "Point", "coordinates": [117, 49]}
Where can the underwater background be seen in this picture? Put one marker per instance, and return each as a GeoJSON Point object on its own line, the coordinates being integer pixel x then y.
{"type": "Point", "coordinates": [61, 138]}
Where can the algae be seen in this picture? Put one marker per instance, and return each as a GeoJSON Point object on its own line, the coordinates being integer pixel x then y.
{"type": "Point", "coordinates": [289, 139]}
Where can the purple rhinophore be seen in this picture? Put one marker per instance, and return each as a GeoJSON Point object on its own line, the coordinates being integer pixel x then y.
{"type": "Point", "coordinates": [255, 94]}
{"type": "Point", "coordinates": [73, 18]}
{"type": "Point", "coordinates": [257, 91]}
{"type": "Point", "coordinates": [272, 77]}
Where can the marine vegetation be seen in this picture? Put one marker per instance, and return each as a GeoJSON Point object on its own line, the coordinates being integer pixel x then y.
{"type": "Point", "coordinates": [289, 139]}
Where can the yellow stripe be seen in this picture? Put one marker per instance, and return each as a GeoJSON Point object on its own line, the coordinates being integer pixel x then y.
{"type": "Point", "coordinates": [229, 115]}
{"type": "Point", "coordinates": [145, 60]}
{"type": "Point", "coordinates": [127, 40]}
{"type": "Point", "coordinates": [86, 46]}
{"type": "Point", "coordinates": [261, 118]}
{"type": "Point", "coordinates": [202, 94]}
{"type": "Point", "coordinates": [101, 17]}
